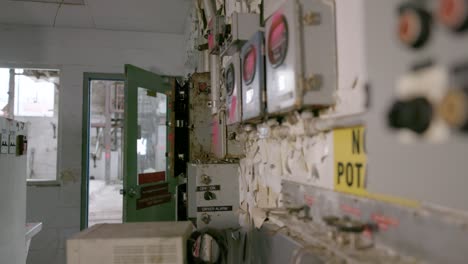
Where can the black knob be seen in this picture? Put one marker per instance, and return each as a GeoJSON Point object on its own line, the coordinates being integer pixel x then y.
{"type": "Point", "coordinates": [415, 115]}
{"type": "Point", "coordinates": [209, 196]}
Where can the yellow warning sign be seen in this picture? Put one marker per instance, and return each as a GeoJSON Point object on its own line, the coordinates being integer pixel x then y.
{"type": "Point", "coordinates": [350, 160]}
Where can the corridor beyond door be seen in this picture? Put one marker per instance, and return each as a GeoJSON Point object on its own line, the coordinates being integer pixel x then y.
{"type": "Point", "coordinates": [105, 151]}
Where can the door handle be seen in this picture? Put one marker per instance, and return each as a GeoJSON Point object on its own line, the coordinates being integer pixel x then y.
{"type": "Point", "coordinates": [131, 192]}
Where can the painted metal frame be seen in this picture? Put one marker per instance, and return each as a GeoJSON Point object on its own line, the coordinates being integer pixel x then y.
{"type": "Point", "coordinates": [87, 78]}
{"type": "Point", "coordinates": [135, 78]}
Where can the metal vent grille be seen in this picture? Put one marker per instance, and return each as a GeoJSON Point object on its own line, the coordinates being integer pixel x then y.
{"type": "Point", "coordinates": [65, 2]}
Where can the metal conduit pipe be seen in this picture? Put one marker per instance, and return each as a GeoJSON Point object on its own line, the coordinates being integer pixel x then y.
{"type": "Point", "coordinates": [209, 7]}
{"type": "Point", "coordinates": [214, 70]}
{"type": "Point", "coordinates": [210, 12]}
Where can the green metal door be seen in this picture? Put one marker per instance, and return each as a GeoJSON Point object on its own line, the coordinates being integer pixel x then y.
{"type": "Point", "coordinates": [148, 187]}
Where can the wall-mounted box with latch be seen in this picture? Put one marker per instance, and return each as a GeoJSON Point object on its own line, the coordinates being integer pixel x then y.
{"type": "Point", "coordinates": [213, 194]}
{"type": "Point", "coordinates": [301, 56]}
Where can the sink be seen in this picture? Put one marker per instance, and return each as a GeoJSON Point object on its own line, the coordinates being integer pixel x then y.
{"type": "Point", "coordinates": [31, 230]}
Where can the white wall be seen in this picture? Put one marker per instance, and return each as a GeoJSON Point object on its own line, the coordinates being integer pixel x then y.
{"type": "Point", "coordinates": [75, 51]}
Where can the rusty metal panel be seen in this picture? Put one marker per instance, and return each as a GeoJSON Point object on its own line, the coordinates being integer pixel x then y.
{"type": "Point", "coordinates": [424, 232]}
{"type": "Point", "coordinates": [235, 148]}
{"type": "Point", "coordinates": [200, 117]}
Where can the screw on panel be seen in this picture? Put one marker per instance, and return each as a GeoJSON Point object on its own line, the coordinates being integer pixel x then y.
{"type": "Point", "coordinates": [314, 82]}
{"type": "Point", "coordinates": [206, 218]}
{"type": "Point", "coordinates": [205, 179]}
{"type": "Point", "coordinates": [312, 19]}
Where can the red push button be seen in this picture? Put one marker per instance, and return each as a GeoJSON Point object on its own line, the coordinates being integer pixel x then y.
{"type": "Point", "coordinates": [409, 27]}
{"type": "Point", "coordinates": [453, 14]}
{"type": "Point", "coordinates": [413, 26]}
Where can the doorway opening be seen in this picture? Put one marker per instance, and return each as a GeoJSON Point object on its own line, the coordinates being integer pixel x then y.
{"type": "Point", "coordinates": [103, 156]}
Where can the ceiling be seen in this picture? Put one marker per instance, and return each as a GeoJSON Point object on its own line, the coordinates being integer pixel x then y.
{"type": "Point", "coordinates": [163, 16]}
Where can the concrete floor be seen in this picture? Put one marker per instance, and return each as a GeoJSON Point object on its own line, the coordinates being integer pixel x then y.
{"type": "Point", "coordinates": [105, 203]}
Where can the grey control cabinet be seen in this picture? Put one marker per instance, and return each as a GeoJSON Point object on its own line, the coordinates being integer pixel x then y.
{"type": "Point", "coordinates": [213, 195]}
{"type": "Point", "coordinates": [301, 56]}
{"type": "Point", "coordinates": [253, 78]}
{"type": "Point", "coordinates": [407, 62]}
{"type": "Point", "coordinates": [232, 82]}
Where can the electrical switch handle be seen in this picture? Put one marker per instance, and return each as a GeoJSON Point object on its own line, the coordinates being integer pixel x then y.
{"type": "Point", "coordinates": [209, 196]}
{"type": "Point", "coordinates": [415, 114]}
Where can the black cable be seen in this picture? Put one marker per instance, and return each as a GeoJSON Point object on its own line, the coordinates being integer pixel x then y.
{"type": "Point", "coordinates": [220, 239]}
{"type": "Point", "coordinates": [56, 13]}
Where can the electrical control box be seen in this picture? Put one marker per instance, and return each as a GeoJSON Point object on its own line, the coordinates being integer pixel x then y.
{"type": "Point", "coordinates": [243, 26]}
{"type": "Point", "coordinates": [233, 85]}
{"type": "Point", "coordinates": [301, 56]}
{"type": "Point", "coordinates": [14, 165]}
{"type": "Point", "coordinates": [5, 138]}
{"type": "Point", "coordinates": [200, 117]}
{"type": "Point", "coordinates": [253, 78]}
{"type": "Point", "coordinates": [270, 6]}
{"type": "Point", "coordinates": [417, 61]}
{"type": "Point", "coordinates": [13, 137]}
{"type": "Point", "coordinates": [213, 194]}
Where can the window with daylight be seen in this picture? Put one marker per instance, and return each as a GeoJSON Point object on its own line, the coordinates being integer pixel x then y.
{"type": "Point", "coordinates": [31, 96]}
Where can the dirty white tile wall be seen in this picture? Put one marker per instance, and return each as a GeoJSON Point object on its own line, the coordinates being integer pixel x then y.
{"type": "Point", "coordinates": [75, 51]}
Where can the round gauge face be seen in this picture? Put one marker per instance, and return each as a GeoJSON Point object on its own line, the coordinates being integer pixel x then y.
{"type": "Point", "coordinates": [230, 79]}
{"type": "Point", "coordinates": [250, 64]}
{"type": "Point", "coordinates": [277, 40]}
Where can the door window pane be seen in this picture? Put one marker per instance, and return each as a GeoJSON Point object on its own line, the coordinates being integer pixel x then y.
{"type": "Point", "coordinates": [151, 144]}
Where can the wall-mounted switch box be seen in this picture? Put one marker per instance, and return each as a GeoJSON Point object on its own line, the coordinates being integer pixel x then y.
{"type": "Point", "coordinates": [4, 143]}
{"type": "Point", "coordinates": [301, 56]}
{"type": "Point", "coordinates": [213, 194]}
{"type": "Point", "coordinates": [12, 143]}
{"type": "Point", "coordinates": [243, 26]}
{"type": "Point", "coordinates": [4, 132]}
{"type": "Point", "coordinates": [232, 81]}
{"type": "Point", "coordinates": [253, 78]}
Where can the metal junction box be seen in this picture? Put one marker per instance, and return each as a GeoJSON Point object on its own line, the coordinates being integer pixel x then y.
{"type": "Point", "coordinates": [232, 82]}
{"type": "Point", "coordinates": [243, 26]}
{"type": "Point", "coordinates": [213, 194]}
{"type": "Point", "coordinates": [301, 56]}
{"type": "Point", "coordinates": [253, 78]}
{"type": "Point", "coordinates": [200, 117]}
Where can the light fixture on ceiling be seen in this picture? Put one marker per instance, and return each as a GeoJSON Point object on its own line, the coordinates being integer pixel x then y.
{"type": "Point", "coordinates": [65, 2]}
